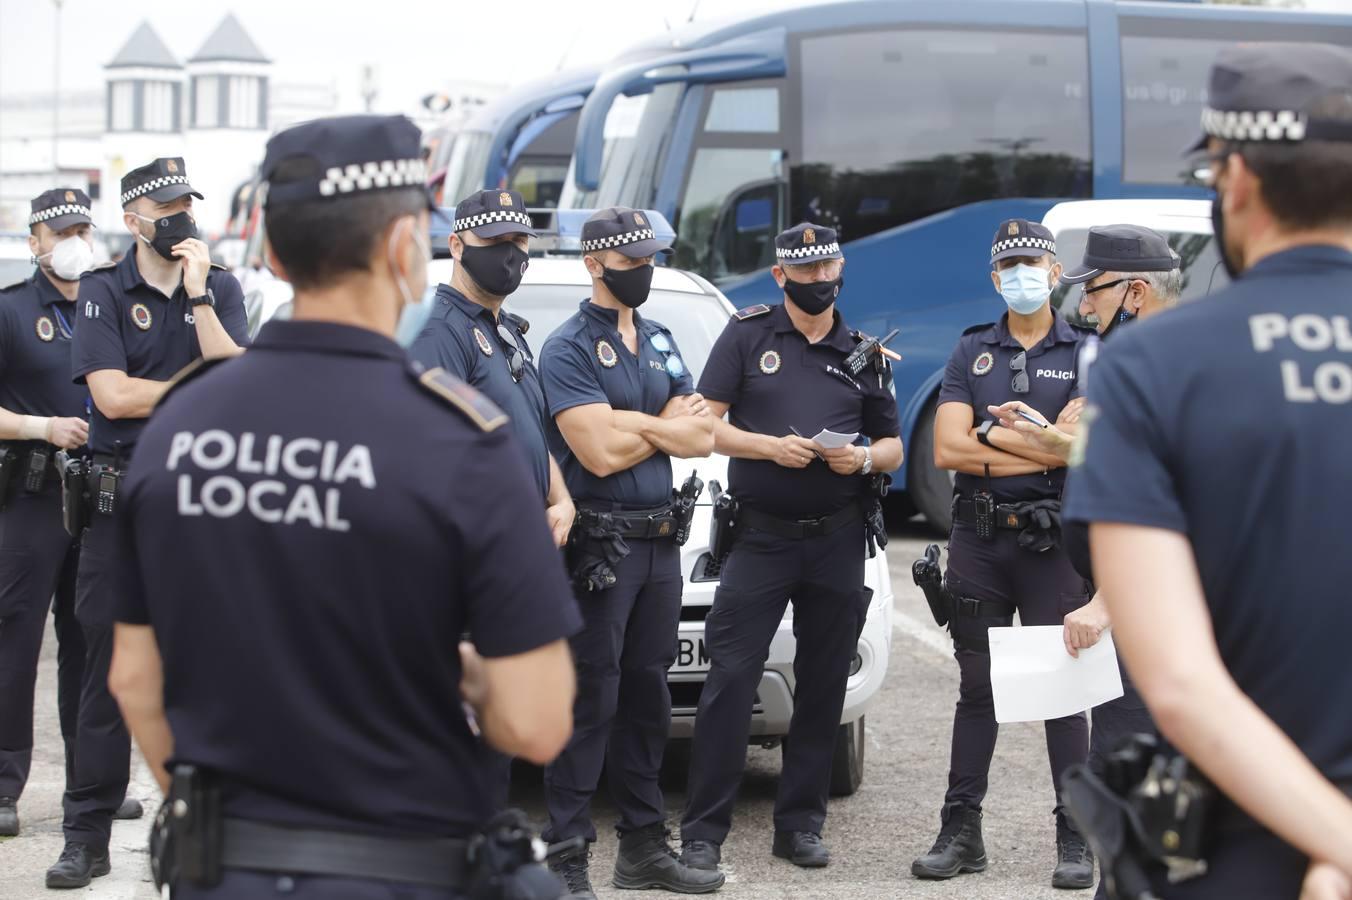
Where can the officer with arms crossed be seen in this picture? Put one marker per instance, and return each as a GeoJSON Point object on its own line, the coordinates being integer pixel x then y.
{"type": "Point", "coordinates": [141, 320]}
{"type": "Point", "coordinates": [1217, 449]}
{"type": "Point", "coordinates": [624, 404]}
{"type": "Point", "coordinates": [1129, 272]}
{"type": "Point", "coordinates": [40, 411]}
{"type": "Point", "coordinates": [781, 373]}
{"type": "Point", "coordinates": [1005, 553]}
{"type": "Point", "coordinates": [330, 578]}
{"type": "Point", "coordinates": [470, 335]}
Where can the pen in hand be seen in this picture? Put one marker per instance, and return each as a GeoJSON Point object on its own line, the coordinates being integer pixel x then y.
{"type": "Point", "coordinates": [800, 434]}
{"type": "Point", "coordinates": [1036, 421]}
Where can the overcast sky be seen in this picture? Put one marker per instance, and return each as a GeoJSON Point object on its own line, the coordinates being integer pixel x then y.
{"type": "Point", "coordinates": [417, 45]}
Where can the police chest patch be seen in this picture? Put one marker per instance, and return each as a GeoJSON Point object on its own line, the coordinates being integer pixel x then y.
{"type": "Point", "coordinates": [482, 340]}
{"type": "Point", "coordinates": [770, 362]}
{"type": "Point", "coordinates": [606, 354]}
{"type": "Point", "coordinates": [46, 329]}
{"type": "Point", "coordinates": [140, 316]}
{"type": "Point", "coordinates": [984, 363]}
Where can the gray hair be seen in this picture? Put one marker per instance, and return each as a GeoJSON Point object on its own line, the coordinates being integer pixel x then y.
{"type": "Point", "coordinates": [1168, 286]}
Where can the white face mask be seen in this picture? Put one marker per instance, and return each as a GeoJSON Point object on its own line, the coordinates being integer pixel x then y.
{"type": "Point", "coordinates": [71, 257]}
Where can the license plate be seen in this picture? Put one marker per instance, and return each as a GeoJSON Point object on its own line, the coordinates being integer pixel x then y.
{"type": "Point", "coordinates": [691, 656]}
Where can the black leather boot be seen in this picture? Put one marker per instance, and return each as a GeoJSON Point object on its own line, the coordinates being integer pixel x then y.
{"type": "Point", "coordinates": [9, 817]}
{"type": "Point", "coordinates": [573, 869]}
{"type": "Point", "coordinates": [78, 865]}
{"type": "Point", "coordinates": [701, 855]}
{"type": "Point", "coordinates": [646, 860]}
{"type": "Point", "coordinates": [958, 849]}
{"type": "Point", "coordinates": [1074, 860]}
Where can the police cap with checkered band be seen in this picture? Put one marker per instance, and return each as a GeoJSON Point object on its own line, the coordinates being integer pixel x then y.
{"type": "Point", "coordinates": [162, 180]}
{"type": "Point", "coordinates": [344, 156]}
{"type": "Point", "coordinates": [806, 243]}
{"type": "Point", "coordinates": [60, 208]}
{"type": "Point", "coordinates": [1279, 93]}
{"type": "Point", "coordinates": [1020, 237]}
{"type": "Point", "coordinates": [492, 213]}
{"type": "Point", "coordinates": [623, 229]}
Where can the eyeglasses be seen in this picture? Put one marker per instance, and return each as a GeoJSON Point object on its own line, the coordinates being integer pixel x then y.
{"type": "Point", "coordinates": [516, 363]}
{"type": "Point", "coordinates": [1085, 292]}
{"type": "Point", "coordinates": [1019, 366]}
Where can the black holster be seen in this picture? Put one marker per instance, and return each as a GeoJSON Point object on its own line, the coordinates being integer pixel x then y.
{"type": "Point", "coordinates": [594, 548]}
{"type": "Point", "coordinates": [186, 841]}
{"type": "Point", "coordinates": [74, 472]}
{"type": "Point", "coordinates": [722, 523]}
{"type": "Point", "coordinates": [503, 862]}
{"type": "Point", "coordinates": [1149, 809]}
{"type": "Point", "coordinates": [928, 577]}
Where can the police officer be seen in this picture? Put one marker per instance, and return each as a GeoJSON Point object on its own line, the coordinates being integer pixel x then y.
{"type": "Point", "coordinates": [1004, 552]}
{"type": "Point", "coordinates": [1217, 449]}
{"type": "Point", "coordinates": [624, 404]}
{"type": "Point", "coordinates": [329, 579]}
{"type": "Point", "coordinates": [40, 411]}
{"type": "Point", "coordinates": [472, 337]}
{"type": "Point", "coordinates": [780, 372]}
{"type": "Point", "coordinates": [1128, 272]}
{"type": "Point", "coordinates": [141, 321]}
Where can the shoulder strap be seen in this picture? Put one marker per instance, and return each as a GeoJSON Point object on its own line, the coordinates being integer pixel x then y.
{"type": "Point", "coordinates": [975, 328]}
{"type": "Point", "coordinates": [751, 312]}
{"type": "Point", "coordinates": [103, 266]}
{"type": "Point", "coordinates": [188, 373]}
{"type": "Point", "coordinates": [473, 405]}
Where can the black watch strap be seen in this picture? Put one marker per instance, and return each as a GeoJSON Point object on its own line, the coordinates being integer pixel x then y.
{"type": "Point", "coordinates": [207, 299]}
{"type": "Point", "coordinates": [983, 432]}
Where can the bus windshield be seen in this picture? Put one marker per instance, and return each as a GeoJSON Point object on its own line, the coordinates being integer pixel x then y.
{"type": "Point", "coordinates": [636, 133]}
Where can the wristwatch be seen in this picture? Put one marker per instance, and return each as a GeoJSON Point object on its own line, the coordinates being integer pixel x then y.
{"type": "Point", "coordinates": [983, 433]}
{"type": "Point", "coordinates": [207, 299]}
{"type": "Point", "coordinates": [868, 461]}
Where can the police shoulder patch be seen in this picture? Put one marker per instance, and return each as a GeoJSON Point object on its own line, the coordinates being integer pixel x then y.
{"type": "Point", "coordinates": [475, 406]}
{"type": "Point", "coordinates": [751, 312]}
{"type": "Point", "coordinates": [975, 328]}
{"type": "Point", "coordinates": [220, 267]}
{"type": "Point", "coordinates": [188, 373]}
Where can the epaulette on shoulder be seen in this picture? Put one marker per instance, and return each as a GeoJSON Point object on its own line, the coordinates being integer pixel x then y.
{"type": "Point", "coordinates": [1084, 331]}
{"type": "Point", "coordinates": [219, 267]}
{"type": "Point", "coordinates": [188, 373]}
{"type": "Point", "coordinates": [13, 286]}
{"type": "Point", "coordinates": [521, 324]}
{"type": "Point", "coordinates": [751, 312]}
{"type": "Point", "coordinates": [101, 267]}
{"type": "Point", "coordinates": [975, 328]}
{"type": "Point", "coordinates": [475, 406]}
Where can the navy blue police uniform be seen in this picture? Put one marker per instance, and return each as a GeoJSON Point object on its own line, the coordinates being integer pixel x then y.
{"type": "Point", "coordinates": [37, 557]}
{"type": "Point", "coordinates": [1258, 483]}
{"type": "Point", "coordinates": [800, 539]}
{"type": "Point", "coordinates": [1020, 564]}
{"type": "Point", "coordinates": [126, 325]}
{"type": "Point", "coordinates": [282, 480]}
{"type": "Point", "coordinates": [1129, 250]}
{"type": "Point", "coordinates": [623, 708]}
{"type": "Point", "coordinates": [490, 351]}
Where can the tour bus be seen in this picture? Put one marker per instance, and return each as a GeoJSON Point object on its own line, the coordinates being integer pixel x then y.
{"type": "Point", "coordinates": [914, 128]}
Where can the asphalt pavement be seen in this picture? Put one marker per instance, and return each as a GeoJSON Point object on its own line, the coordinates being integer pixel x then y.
{"type": "Point", "coordinates": [873, 835]}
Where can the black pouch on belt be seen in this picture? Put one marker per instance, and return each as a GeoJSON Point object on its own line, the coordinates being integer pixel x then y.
{"type": "Point", "coordinates": [9, 466]}
{"type": "Point", "coordinates": [186, 841]}
{"type": "Point", "coordinates": [74, 495]}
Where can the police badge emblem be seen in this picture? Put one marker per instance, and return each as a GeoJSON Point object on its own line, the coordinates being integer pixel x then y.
{"type": "Point", "coordinates": [504, 199]}
{"type": "Point", "coordinates": [171, 166]}
{"type": "Point", "coordinates": [606, 354]}
{"type": "Point", "coordinates": [70, 196]}
{"type": "Point", "coordinates": [770, 362]}
{"type": "Point", "coordinates": [140, 316]}
{"type": "Point", "coordinates": [809, 236]}
{"type": "Point", "coordinates": [482, 340]}
{"type": "Point", "coordinates": [983, 364]}
{"type": "Point", "coordinates": [1013, 228]}
{"type": "Point", "coordinates": [638, 219]}
{"type": "Point", "coordinates": [46, 330]}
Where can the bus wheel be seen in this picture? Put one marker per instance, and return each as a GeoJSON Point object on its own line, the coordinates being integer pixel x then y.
{"type": "Point", "coordinates": [931, 488]}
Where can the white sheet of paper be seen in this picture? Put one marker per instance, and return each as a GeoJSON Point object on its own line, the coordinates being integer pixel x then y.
{"type": "Point", "coordinates": [833, 440]}
{"type": "Point", "coordinates": [1033, 677]}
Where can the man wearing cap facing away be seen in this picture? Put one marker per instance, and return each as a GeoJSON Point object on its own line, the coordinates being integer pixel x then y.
{"type": "Point", "coordinates": [140, 321]}
{"type": "Point", "coordinates": [624, 403]}
{"type": "Point", "coordinates": [780, 374]}
{"type": "Point", "coordinates": [1216, 448]}
{"type": "Point", "coordinates": [470, 335]}
{"type": "Point", "coordinates": [316, 682]}
{"type": "Point", "coordinates": [1005, 552]}
{"type": "Point", "coordinates": [41, 410]}
{"type": "Point", "coordinates": [1129, 272]}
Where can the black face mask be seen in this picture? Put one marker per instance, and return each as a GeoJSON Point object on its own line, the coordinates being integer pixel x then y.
{"type": "Point", "coordinates": [170, 231]}
{"type": "Point", "coordinates": [630, 286]}
{"type": "Point", "coordinates": [1218, 228]}
{"type": "Point", "coordinates": [497, 268]}
{"type": "Point", "coordinates": [813, 297]}
{"type": "Point", "coordinates": [1121, 316]}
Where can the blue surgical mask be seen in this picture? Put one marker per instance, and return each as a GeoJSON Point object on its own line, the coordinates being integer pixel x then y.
{"type": "Point", "coordinates": [412, 318]}
{"type": "Point", "coordinates": [1025, 288]}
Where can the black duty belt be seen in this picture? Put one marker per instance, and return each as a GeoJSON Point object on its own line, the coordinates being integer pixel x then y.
{"type": "Point", "coordinates": [972, 608]}
{"type": "Point", "coordinates": [655, 523]}
{"type": "Point", "coordinates": [1007, 515]}
{"type": "Point", "coordinates": [794, 529]}
{"type": "Point", "coordinates": [432, 862]}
